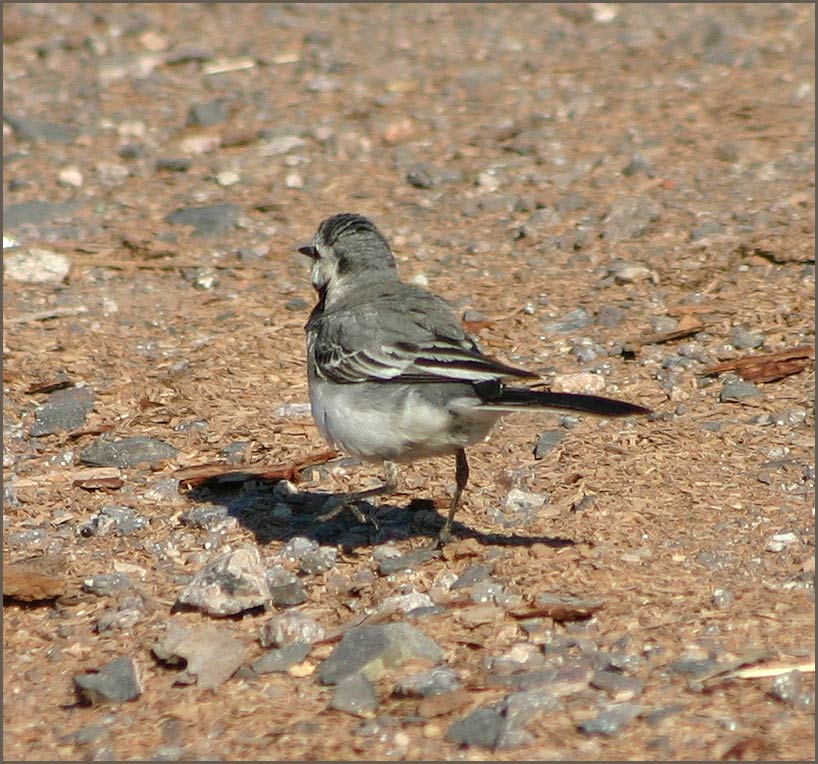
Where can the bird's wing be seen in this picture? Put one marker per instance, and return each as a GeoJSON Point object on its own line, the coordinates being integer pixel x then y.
{"type": "Point", "coordinates": [407, 336]}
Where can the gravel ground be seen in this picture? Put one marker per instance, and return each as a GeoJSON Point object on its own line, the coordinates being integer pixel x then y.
{"type": "Point", "coordinates": [620, 197]}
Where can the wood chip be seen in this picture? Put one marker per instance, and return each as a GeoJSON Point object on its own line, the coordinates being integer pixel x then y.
{"type": "Point", "coordinates": [34, 580]}
{"type": "Point", "coordinates": [190, 477]}
{"type": "Point", "coordinates": [444, 703]}
{"type": "Point", "coordinates": [767, 367]}
{"type": "Point", "coordinates": [559, 608]}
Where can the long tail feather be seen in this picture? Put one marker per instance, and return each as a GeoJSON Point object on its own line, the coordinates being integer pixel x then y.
{"type": "Point", "coordinates": [520, 397]}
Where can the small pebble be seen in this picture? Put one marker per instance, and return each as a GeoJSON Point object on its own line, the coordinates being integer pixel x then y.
{"type": "Point", "coordinates": [355, 695]}
{"type": "Point", "coordinates": [612, 720]}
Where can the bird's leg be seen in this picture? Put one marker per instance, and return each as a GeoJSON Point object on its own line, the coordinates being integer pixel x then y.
{"type": "Point", "coordinates": [461, 478]}
{"type": "Point", "coordinates": [351, 500]}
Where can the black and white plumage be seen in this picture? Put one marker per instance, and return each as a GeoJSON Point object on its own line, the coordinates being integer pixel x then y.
{"type": "Point", "coordinates": [393, 376]}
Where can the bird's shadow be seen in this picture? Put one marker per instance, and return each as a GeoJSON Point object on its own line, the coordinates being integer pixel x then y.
{"type": "Point", "coordinates": [275, 515]}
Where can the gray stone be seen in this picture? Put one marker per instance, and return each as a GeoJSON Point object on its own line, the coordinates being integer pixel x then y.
{"type": "Point", "coordinates": [318, 560]}
{"type": "Point", "coordinates": [375, 650]}
{"type": "Point", "coordinates": [126, 520]}
{"type": "Point", "coordinates": [173, 164]}
{"type": "Point", "coordinates": [408, 561]}
{"type": "Point", "coordinates": [107, 584]}
{"type": "Point", "coordinates": [65, 410]}
{"type": "Point", "coordinates": [230, 584]}
{"type": "Point", "coordinates": [744, 339]}
{"type": "Point", "coordinates": [285, 628]}
{"type": "Point", "coordinates": [519, 710]}
{"type": "Point", "coordinates": [208, 220]}
{"type": "Point", "coordinates": [612, 720]}
{"type": "Point", "coordinates": [207, 114]}
{"type": "Point", "coordinates": [571, 322]}
{"type": "Point", "coordinates": [127, 452]}
{"type": "Point", "coordinates": [737, 390]}
{"type": "Point", "coordinates": [281, 659]}
{"type": "Point", "coordinates": [355, 695]}
{"type": "Point", "coordinates": [38, 130]}
{"type": "Point", "coordinates": [482, 728]}
{"type": "Point", "coordinates": [427, 683]}
{"type": "Point", "coordinates": [288, 595]}
{"type": "Point", "coordinates": [694, 667]}
{"type": "Point", "coordinates": [210, 655]}
{"type": "Point", "coordinates": [547, 442]}
{"type": "Point", "coordinates": [115, 682]}
{"type": "Point", "coordinates": [638, 164]}
{"type": "Point", "coordinates": [208, 517]}
{"type": "Point", "coordinates": [629, 218]}
{"type": "Point", "coordinates": [541, 223]}
{"type": "Point", "coordinates": [621, 687]}
{"type": "Point", "coordinates": [471, 576]}
{"type": "Point", "coordinates": [129, 612]}
{"type": "Point", "coordinates": [429, 175]}
{"type": "Point", "coordinates": [786, 688]}
{"type": "Point", "coordinates": [35, 213]}
{"type": "Point", "coordinates": [610, 316]}
{"type": "Point", "coordinates": [705, 230]}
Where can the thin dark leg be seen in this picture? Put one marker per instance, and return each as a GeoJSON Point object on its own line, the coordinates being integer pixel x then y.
{"type": "Point", "coordinates": [339, 503]}
{"type": "Point", "coordinates": [461, 477]}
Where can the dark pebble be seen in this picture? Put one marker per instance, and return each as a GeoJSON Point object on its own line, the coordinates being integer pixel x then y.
{"type": "Point", "coordinates": [547, 442]}
{"type": "Point", "coordinates": [612, 720]}
{"type": "Point", "coordinates": [35, 213]}
{"type": "Point", "coordinates": [106, 584]}
{"type": "Point", "coordinates": [280, 659]}
{"type": "Point", "coordinates": [471, 576]}
{"type": "Point", "coordinates": [207, 114]}
{"type": "Point", "coordinates": [737, 390]}
{"type": "Point", "coordinates": [288, 595]}
{"type": "Point", "coordinates": [426, 683]}
{"type": "Point", "coordinates": [208, 220]}
{"type": "Point", "coordinates": [482, 728]}
{"type": "Point", "coordinates": [373, 650]}
{"type": "Point", "coordinates": [629, 218]}
{"type": "Point", "coordinates": [694, 667]}
{"type": "Point", "coordinates": [207, 517]}
{"type": "Point", "coordinates": [234, 452]}
{"type": "Point", "coordinates": [127, 452]}
{"type": "Point", "coordinates": [65, 410]}
{"type": "Point", "coordinates": [38, 130]}
{"type": "Point", "coordinates": [618, 685]}
{"type": "Point", "coordinates": [173, 164]}
{"type": "Point", "coordinates": [407, 561]}
{"type": "Point", "coordinates": [570, 322]}
{"type": "Point", "coordinates": [355, 695]}
{"type": "Point", "coordinates": [113, 683]}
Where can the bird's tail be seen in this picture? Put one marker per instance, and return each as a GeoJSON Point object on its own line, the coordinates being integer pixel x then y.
{"type": "Point", "coordinates": [511, 398]}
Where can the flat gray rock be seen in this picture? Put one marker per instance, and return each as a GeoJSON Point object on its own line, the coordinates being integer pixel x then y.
{"type": "Point", "coordinates": [355, 695]}
{"type": "Point", "coordinates": [115, 682]}
{"type": "Point", "coordinates": [127, 452]}
{"type": "Point", "coordinates": [65, 410]}
{"type": "Point", "coordinates": [208, 220]}
{"type": "Point", "coordinates": [375, 650]}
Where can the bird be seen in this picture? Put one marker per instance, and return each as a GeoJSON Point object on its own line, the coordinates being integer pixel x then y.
{"type": "Point", "coordinates": [394, 377]}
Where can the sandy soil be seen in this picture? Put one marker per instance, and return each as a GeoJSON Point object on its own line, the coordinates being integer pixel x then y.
{"type": "Point", "coordinates": [652, 166]}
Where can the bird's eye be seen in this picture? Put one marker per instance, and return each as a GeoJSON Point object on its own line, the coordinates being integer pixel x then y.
{"type": "Point", "coordinates": [309, 251]}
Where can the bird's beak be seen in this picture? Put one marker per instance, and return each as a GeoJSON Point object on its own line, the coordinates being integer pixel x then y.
{"type": "Point", "coordinates": [308, 250]}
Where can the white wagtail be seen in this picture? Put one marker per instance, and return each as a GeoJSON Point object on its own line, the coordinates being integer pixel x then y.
{"type": "Point", "coordinates": [393, 376]}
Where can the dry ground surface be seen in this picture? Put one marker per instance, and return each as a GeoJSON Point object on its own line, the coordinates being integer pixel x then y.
{"type": "Point", "coordinates": [579, 181]}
